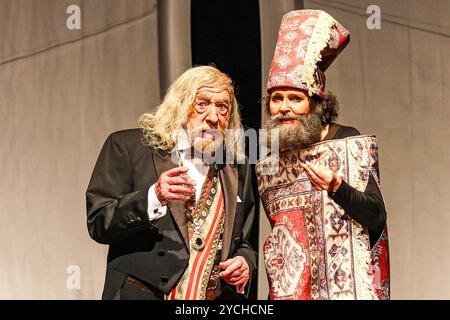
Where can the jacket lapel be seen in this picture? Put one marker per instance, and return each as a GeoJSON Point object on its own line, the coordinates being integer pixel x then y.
{"type": "Point", "coordinates": [229, 181]}
{"type": "Point", "coordinates": [163, 162]}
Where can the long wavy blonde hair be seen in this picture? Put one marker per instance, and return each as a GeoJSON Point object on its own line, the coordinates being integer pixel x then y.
{"type": "Point", "coordinates": [174, 112]}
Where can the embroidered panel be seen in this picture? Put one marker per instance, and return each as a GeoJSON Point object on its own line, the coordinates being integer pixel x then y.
{"type": "Point", "coordinates": [315, 250]}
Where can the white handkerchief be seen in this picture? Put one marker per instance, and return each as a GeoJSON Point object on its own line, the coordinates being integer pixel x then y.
{"type": "Point", "coordinates": [238, 199]}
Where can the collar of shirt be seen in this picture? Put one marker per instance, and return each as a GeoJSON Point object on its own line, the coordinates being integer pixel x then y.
{"type": "Point", "coordinates": [197, 172]}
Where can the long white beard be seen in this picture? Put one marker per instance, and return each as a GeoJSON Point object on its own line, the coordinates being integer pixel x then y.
{"type": "Point", "coordinates": [206, 146]}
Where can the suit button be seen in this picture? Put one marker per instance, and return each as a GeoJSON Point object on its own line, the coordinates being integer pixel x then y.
{"type": "Point", "coordinates": [138, 219]}
{"type": "Point", "coordinates": [161, 253]}
{"type": "Point", "coordinates": [131, 221]}
{"type": "Point", "coordinates": [164, 279]}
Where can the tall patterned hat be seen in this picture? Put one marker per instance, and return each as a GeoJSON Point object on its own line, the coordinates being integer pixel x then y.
{"type": "Point", "coordinates": [308, 42]}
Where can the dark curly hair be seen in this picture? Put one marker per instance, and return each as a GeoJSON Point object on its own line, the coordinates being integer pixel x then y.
{"type": "Point", "coordinates": [327, 108]}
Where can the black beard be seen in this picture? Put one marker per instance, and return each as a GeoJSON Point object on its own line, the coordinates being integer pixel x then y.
{"type": "Point", "coordinates": [300, 135]}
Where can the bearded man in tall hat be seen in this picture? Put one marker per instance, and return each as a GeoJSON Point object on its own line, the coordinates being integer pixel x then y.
{"type": "Point", "coordinates": [177, 221]}
{"type": "Point", "coordinates": [329, 236]}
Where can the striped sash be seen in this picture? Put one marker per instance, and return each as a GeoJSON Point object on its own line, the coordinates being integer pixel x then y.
{"type": "Point", "coordinates": [200, 280]}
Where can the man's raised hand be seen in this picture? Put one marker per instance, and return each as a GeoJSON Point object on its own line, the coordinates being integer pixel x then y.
{"type": "Point", "coordinates": [174, 184]}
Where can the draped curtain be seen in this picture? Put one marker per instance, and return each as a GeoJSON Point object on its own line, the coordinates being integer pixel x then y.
{"type": "Point", "coordinates": [63, 91]}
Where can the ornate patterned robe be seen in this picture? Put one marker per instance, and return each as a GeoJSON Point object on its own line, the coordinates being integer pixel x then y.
{"type": "Point", "coordinates": [316, 250]}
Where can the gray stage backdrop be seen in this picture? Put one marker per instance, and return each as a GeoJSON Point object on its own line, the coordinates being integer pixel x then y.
{"type": "Point", "coordinates": [63, 91]}
{"type": "Point", "coordinates": [395, 83]}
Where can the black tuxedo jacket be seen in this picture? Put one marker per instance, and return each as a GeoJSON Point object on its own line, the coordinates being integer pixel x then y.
{"type": "Point", "coordinates": [156, 252]}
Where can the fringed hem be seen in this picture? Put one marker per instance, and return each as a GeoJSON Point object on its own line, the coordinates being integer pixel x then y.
{"type": "Point", "coordinates": [361, 257]}
{"type": "Point", "coordinates": [319, 40]}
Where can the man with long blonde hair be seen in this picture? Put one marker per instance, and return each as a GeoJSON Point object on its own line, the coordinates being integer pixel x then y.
{"type": "Point", "coordinates": [160, 128]}
{"type": "Point", "coordinates": [177, 220]}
